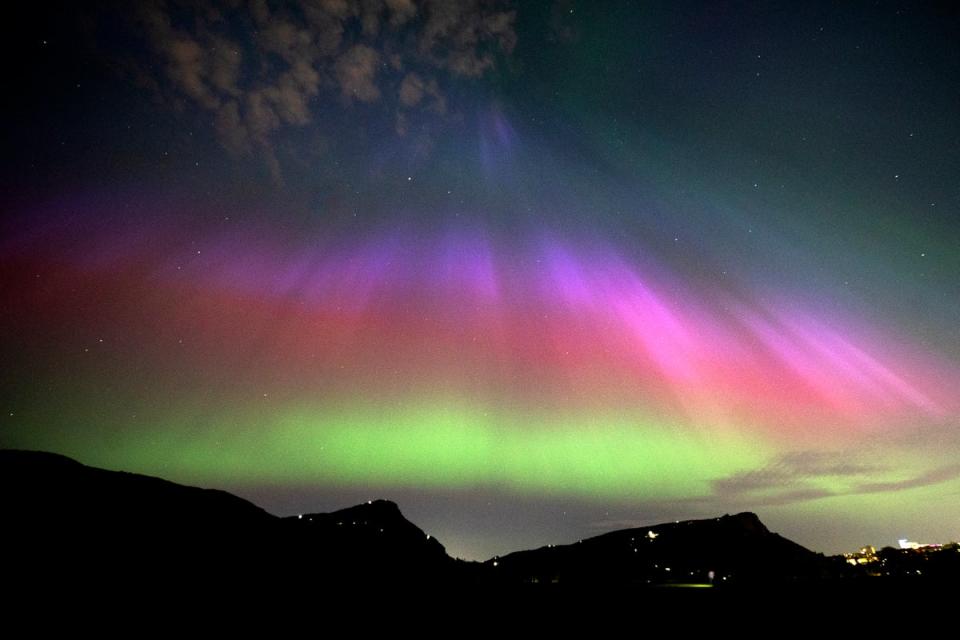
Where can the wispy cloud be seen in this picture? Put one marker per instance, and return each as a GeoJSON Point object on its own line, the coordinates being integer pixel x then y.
{"type": "Point", "coordinates": [798, 476]}
{"type": "Point", "coordinates": [935, 476]}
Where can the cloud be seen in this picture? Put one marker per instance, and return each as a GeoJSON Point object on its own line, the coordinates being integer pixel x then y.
{"type": "Point", "coordinates": [411, 90]}
{"type": "Point", "coordinates": [755, 480]}
{"type": "Point", "coordinates": [795, 477]}
{"type": "Point", "coordinates": [231, 128]}
{"type": "Point", "coordinates": [186, 67]}
{"type": "Point", "coordinates": [259, 68]}
{"type": "Point", "coordinates": [401, 12]}
{"type": "Point", "coordinates": [464, 37]}
{"type": "Point", "coordinates": [936, 476]}
{"type": "Point", "coordinates": [292, 93]}
{"type": "Point", "coordinates": [789, 497]}
{"type": "Point", "coordinates": [793, 471]}
{"type": "Point", "coordinates": [417, 91]}
{"type": "Point", "coordinates": [356, 72]}
{"type": "Point", "coordinates": [825, 463]}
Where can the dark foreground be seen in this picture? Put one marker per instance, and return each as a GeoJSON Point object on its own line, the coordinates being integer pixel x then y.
{"type": "Point", "coordinates": [75, 530]}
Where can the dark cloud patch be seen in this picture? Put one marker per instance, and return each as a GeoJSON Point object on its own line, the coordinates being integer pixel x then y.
{"type": "Point", "coordinates": [259, 67]}
{"type": "Point", "coordinates": [936, 476]}
{"type": "Point", "coordinates": [779, 498]}
{"type": "Point", "coordinates": [796, 477]}
{"type": "Point", "coordinates": [792, 472]}
{"type": "Point", "coordinates": [756, 480]}
{"type": "Point", "coordinates": [823, 463]}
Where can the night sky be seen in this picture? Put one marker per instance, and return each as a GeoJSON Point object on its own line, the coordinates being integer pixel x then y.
{"type": "Point", "coordinates": [534, 271]}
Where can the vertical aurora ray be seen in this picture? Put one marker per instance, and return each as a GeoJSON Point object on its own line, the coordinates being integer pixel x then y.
{"type": "Point", "coordinates": [445, 359]}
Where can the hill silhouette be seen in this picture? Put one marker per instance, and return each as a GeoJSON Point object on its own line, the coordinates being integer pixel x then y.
{"type": "Point", "coordinates": [67, 519]}
{"type": "Point", "coordinates": [729, 550]}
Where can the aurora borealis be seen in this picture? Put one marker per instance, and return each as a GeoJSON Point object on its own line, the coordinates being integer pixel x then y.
{"type": "Point", "coordinates": [460, 258]}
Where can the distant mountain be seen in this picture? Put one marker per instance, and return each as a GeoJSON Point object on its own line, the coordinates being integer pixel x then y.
{"type": "Point", "coordinates": [65, 518]}
{"type": "Point", "coordinates": [62, 518]}
{"type": "Point", "coordinates": [726, 551]}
